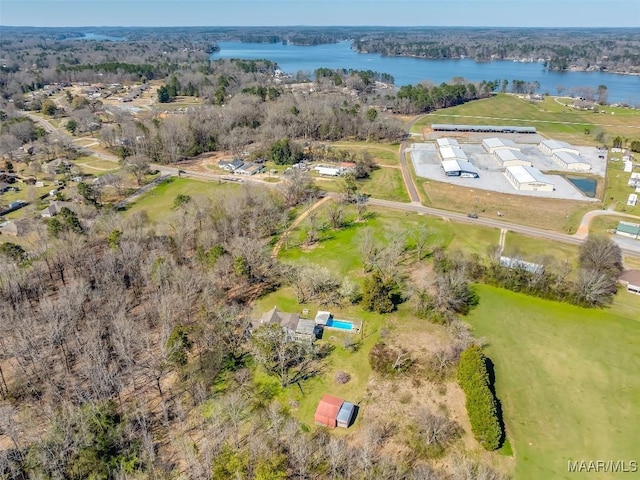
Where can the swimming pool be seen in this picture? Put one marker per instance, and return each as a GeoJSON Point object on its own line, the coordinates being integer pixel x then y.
{"type": "Point", "coordinates": [339, 324]}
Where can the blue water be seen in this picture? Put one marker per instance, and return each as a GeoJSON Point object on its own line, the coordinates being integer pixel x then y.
{"type": "Point", "coordinates": [585, 185]}
{"type": "Point", "coordinates": [410, 71]}
{"type": "Point", "coordinates": [340, 324]}
{"type": "Point", "coordinates": [98, 37]}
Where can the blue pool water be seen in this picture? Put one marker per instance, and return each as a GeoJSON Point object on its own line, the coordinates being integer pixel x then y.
{"type": "Point", "coordinates": [340, 324]}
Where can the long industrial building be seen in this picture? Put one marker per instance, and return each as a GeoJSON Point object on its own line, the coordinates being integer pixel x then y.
{"type": "Point", "coordinates": [511, 158]}
{"type": "Point", "coordinates": [551, 147]}
{"type": "Point", "coordinates": [569, 161]}
{"type": "Point", "coordinates": [492, 145]}
{"type": "Point", "coordinates": [442, 127]}
{"type": "Point", "coordinates": [452, 153]}
{"type": "Point", "coordinates": [526, 178]}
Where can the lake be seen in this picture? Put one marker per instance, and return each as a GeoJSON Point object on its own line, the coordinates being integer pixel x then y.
{"type": "Point", "coordinates": [409, 71]}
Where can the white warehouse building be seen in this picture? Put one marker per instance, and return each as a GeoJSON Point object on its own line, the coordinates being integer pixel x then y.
{"type": "Point", "coordinates": [453, 153]}
{"type": "Point", "coordinates": [511, 158]}
{"type": "Point", "coordinates": [459, 168]}
{"type": "Point", "coordinates": [447, 142]}
{"type": "Point", "coordinates": [492, 145]}
{"type": "Point", "coordinates": [569, 161]}
{"type": "Point", "coordinates": [553, 146]}
{"type": "Point", "coordinates": [528, 179]}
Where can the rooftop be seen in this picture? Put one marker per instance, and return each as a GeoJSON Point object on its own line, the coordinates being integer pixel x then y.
{"type": "Point", "coordinates": [496, 142]}
{"type": "Point", "coordinates": [524, 174]}
{"type": "Point", "coordinates": [452, 152]}
{"type": "Point", "coordinates": [506, 155]}
{"type": "Point", "coordinates": [458, 166]}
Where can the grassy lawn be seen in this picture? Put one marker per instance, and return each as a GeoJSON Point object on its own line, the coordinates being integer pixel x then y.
{"type": "Point", "coordinates": [383, 153]}
{"type": "Point", "coordinates": [384, 183]}
{"type": "Point", "coordinates": [471, 239]}
{"type": "Point", "coordinates": [547, 213]}
{"type": "Point", "coordinates": [95, 165]}
{"type": "Point", "coordinates": [616, 190]}
{"type": "Point", "coordinates": [567, 379]}
{"type": "Point", "coordinates": [536, 250]}
{"type": "Point", "coordinates": [158, 203]}
{"type": "Point", "coordinates": [548, 116]}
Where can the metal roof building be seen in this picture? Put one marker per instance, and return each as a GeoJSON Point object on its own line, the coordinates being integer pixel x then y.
{"type": "Point", "coordinates": [528, 179]}
{"type": "Point", "coordinates": [327, 411]}
{"type": "Point", "coordinates": [569, 161]}
{"type": "Point", "coordinates": [459, 168]}
{"type": "Point", "coordinates": [511, 158]}
{"type": "Point", "coordinates": [628, 229]}
{"type": "Point", "coordinates": [493, 144]}
{"type": "Point", "coordinates": [452, 153]}
{"type": "Point", "coordinates": [443, 127]}
{"type": "Point", "coordinates": [553, 146]}
{"type": "Point", "coordinates": [447, 142]}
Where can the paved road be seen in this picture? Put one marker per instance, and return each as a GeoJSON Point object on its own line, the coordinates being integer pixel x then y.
{"type": "Point", "coordinates": [630, 250]}
{"type": "Point", "coordinates": [406, 172]}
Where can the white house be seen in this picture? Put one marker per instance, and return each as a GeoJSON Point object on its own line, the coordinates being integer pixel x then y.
{"type": "Point", "coordinates": [528, 179]}
{"type": "Point", "coordinates": [632, 201]}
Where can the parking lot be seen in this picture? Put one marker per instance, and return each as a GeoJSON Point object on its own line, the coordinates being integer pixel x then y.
{"type": "Point", "coordinates": [427, 164]}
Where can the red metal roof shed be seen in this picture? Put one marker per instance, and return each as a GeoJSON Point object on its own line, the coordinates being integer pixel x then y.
{"type": "Point", "coordinates": [327, 411]}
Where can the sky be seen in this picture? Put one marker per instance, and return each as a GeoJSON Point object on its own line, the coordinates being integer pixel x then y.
{"type": "Point", "coordinates": [505, 13]}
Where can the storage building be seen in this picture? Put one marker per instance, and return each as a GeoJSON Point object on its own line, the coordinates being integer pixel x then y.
{"type": "Point", "coordinates": [632, 201]}
{"type": "Point", "coordinates": [631, 280]}
{"type": "Point", "coordinates": [452, 153]}
{"type": "Point", "coordinates": [459, 168]}
{"type": "Point", "coordinates": [447, 142]}
{"type": "Point", "coordinates": [528, 179]}
{"type": "Point", "coordinates": [511, 158]}
{"type": "Point", "coordinates": [442, 127]}
{"type": "Point", "coordinates": [554, 146]}
{"type": "Point", "coordinates": [491, 145]}
{"type": "Point", "coordinates": [345, 414]}
{"type": "Point", "coordinates": [569, 161]}
{"type": "Point", "coordinates": [628, 229]}
{"type": "Point", "coordinates": [327, 411]}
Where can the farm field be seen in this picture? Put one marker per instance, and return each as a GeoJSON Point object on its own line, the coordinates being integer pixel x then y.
{"type": "Point", "coordinates": [550, 117]}
{"type": "Point", "coordinates": [566, 377]}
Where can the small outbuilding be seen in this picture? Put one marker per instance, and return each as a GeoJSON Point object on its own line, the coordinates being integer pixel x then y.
{"type": "Point", "coordinates": [632, 201]}
{"type": "Point", "coordinates": [345, 415]}
{"type": "Point", "coordinates": [327, 411]}
{"type": "Point", "coordinates": [528, 179]}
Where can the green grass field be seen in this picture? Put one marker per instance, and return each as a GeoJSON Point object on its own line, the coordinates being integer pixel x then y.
{"type": "Point", "coordinates": [550, 117]}
{"type": "Point", "coordinates": [95, 165]}
{"type": "Point", "coordinates": [536, 250]}
{"type": "Point", "coordinates": [616, 190]}
{"type": "Point", "coordinates": [158, 203]}
{"type": "Point", "coordinates": [384, 183]}
{"type": "Point", "coordinates": [383, 153]}
{"type": "Point", "coordinates": [567, 378]}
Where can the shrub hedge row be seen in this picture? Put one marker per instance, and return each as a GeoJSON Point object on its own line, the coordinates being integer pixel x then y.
{"type": "Point", "coordinates": [481, 403]}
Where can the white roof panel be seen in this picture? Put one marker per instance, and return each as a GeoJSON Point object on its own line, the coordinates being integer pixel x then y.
{"type": "Point", "coordinates": [449, 153]}
{"type": "Point", "coordinates": [524, 174]}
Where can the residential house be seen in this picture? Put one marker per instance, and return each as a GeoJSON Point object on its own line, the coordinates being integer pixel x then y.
{"type": "Point", "coordinates": [296, 328]}
{"type": "Point", "coordinates": [231, 165]}
{"type": "Point", "coordinates": [13, 228]}
{"type": "Point", "coordinates": [631, 280]}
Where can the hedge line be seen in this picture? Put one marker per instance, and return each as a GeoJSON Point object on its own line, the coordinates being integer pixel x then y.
{"type": "Point", "coordinates": [481, 403]}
